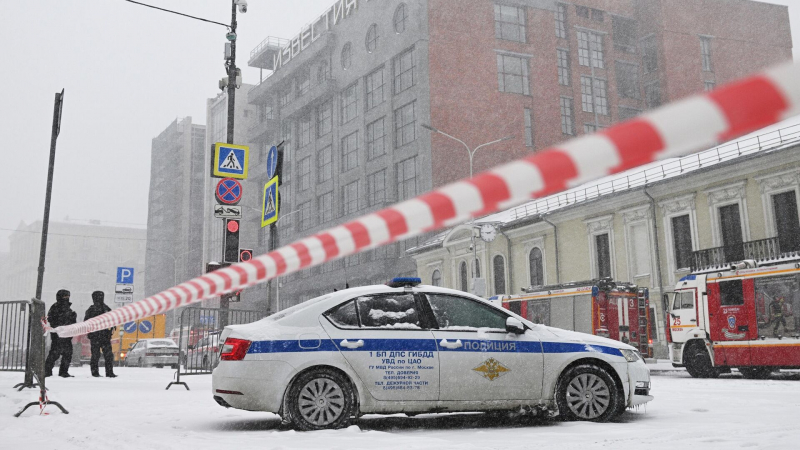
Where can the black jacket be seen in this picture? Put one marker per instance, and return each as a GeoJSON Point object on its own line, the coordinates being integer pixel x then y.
{"type": "Point", "coordinates": [61, 314]}
{"type": "Point", "coordinates": [94, 311]}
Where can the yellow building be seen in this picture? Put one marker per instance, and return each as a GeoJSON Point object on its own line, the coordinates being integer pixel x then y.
{"type": "Point", "coordinates": [648, 226]}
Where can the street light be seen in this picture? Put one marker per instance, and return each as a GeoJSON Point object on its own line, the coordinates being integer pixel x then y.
{"type": "Point", "coordinates": [471, 153]}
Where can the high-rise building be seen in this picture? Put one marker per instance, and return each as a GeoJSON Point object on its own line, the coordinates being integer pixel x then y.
{"type": "Point", "coordinates": [175, 207]}
{"type": "Point", "coordinates": [82, 257]}
{"type": "Point", "coordinates": [351, 92]}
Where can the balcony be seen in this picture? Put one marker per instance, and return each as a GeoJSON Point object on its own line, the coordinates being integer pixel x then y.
{"type": "Point", "coordinates": [263, 56]}
{"type": "Point", "coordinates": [316, 94]}
{"type": "Point", "coordinates": [719, 256]}
{"type": "Point", "coordinates": [261, 128]}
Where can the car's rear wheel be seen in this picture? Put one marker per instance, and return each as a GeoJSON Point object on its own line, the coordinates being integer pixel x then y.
{"type": "Point", "coordinates": [321, 399]}
{"type": "Point", "coordinates": [587, 392]}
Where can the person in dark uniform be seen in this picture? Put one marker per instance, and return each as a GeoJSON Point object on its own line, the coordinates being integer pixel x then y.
{"type": "Point", "coordinates": [58, 315]}
{"type": "Point", "coordinates": [100, 340]}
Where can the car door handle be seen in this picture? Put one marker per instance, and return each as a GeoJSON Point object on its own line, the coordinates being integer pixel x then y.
{"type": "Point", "coordinates": [348, 344]}
{"type": "Point", "coordinates": [447, 344]}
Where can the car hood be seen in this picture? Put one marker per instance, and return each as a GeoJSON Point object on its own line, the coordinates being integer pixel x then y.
{"type": "Point", "coordinates": [562, 335]}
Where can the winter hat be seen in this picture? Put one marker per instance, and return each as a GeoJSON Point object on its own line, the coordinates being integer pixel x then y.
{"type": "Point", "coordinates": [62, 294]}
{"type": "Point", "coordinates": [97, 296]}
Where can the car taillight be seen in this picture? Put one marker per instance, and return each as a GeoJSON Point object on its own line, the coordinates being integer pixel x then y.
{"type": "Point", "coordinates": [234, 349]}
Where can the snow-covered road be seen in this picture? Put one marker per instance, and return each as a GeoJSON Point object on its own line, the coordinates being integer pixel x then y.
{"type": "Point", "coordinates": [135, 412]}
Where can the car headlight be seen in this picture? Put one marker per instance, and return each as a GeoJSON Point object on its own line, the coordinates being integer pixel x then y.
{"type": "Point", "coordinates": [630, 355]}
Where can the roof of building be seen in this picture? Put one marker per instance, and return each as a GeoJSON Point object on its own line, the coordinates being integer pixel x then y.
{"type": "Point", "coordinates": [778, 137]}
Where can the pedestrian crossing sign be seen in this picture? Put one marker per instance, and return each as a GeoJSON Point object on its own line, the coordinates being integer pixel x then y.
{"type": "Point", "coordinates": [230, 161]}
{"type": "Point", "coordinates": [269, 208]}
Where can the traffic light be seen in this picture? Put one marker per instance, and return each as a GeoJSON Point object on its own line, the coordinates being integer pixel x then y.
{"type": "Point", "coordinates": [231, 241]}
{"type": "Point", "coordinates": [245, 254]}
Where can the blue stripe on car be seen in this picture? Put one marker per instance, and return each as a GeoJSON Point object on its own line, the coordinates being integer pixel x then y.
{"type": "Point", "coordinates": [468, 345]}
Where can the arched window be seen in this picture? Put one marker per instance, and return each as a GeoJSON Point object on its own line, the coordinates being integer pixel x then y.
{"type": "Point", "coordinates": [436, 278]}
{"type": "Point", "coordinates": [477, 268]}
{"type": "Point", "coordinates": [372, 38]}
{"type": "Point", "coordinates": [463, 275]}
{"type": "Point", "coordinates": [400, 18]}
{"type": "Point", "coordinates": [536, 267]}
{"type": "Point", "coordinates": [499, 275]}
{"type": "Point", "coordinates": [347, 56]}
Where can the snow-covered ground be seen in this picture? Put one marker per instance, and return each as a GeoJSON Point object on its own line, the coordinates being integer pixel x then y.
{"type": "Point", "coordinates": [135, 412]}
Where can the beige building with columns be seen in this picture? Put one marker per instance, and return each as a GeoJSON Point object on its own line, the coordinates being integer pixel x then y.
{"type": "Point", "coordinates": [649, 226]}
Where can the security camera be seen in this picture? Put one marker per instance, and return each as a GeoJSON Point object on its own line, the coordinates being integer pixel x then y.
{"type": "Point", "coordinates": [242, 4]}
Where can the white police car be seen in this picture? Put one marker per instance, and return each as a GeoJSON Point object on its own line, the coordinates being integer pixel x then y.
{"type": "Point", "coordinates": [409, 348]}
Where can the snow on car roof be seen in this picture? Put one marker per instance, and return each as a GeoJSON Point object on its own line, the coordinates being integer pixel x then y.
{"type": "Point", "coordinates": [781, 136]}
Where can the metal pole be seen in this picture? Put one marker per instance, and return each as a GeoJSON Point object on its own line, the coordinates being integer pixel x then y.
{"type": "Point", "coordinates": [224, 300]}
{"type": "Point", "coordinates": [59, 103]}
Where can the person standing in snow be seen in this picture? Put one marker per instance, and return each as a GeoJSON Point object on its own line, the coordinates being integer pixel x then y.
{"type": "Point", "coordinates": [58, 315]}
{"type": "Point", "coordinates": [100, 340]}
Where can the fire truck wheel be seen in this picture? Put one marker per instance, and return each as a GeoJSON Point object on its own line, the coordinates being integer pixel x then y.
{"type": "Point", "coordinates": [587, 392]}
{"type": "Point", "coordinates": [755, 373]}
{"type": "Point", "coordinates": [698, 363]}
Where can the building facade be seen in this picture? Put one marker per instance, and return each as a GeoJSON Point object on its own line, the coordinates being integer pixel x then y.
{"type": "Point", "coordinates": [82, 257]}
{"type": "Point", "coordinates": [648, 227]}
{"type": "Point", "coordinates": [349, 95]}
{"type": "Point", "coordinates": [178, 171]}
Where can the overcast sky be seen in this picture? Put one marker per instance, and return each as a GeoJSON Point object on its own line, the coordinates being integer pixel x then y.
{"type": "Point", "coordinates": [128, 72]}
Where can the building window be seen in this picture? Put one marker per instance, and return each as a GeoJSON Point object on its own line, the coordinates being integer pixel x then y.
{"type": "Point", "coordinates": [652, 94]}
{"type": "Point", "coordinates": [304, 216]}
{"type": "Point", "coordinates": [350, 151]}
{"type": "Point", "coordinates": [325, 205]}
{"type": "Point", "coordinates": [563, 67]}
{"type": "Point", "coordinates": [625, 31]}
{"type": "Point", "coordinates": [627, 80]}
{"type": "Point", "coordinates": [303, 83]}
{"type": "Point", "coordinates": [586, 94]}
{"type": "Point", "coordinates": [512, 74]}
{"type": "Point", "coordinates": [582, 11]}
{"type": "Point", "coordinates": [372, 38]}
{"type": "Point", "coordinates": [323, 72]}
{"type": "Point", "coordinates": [784, 209]}
{"type": "Point", "coordinates": [405, 124]}
{"type": "Point", "coordinates": [304, 174]}
{"type": "Point", "coordinates": [373, 85]}
{"type": "Point", "coordinates": [376, 188]}
{"type": "Point", "coordinates": [347, 56]}
{"type": "Point", "coordinates": [705, 51]}
{"type": "Point", "coordinates": [400, 18]}
{"type": "Point", "coordinates": [325, 118]}
{"type": "Point", "coordinates": [285, 97]}
{"type": "Point", "coordinates": [407, 179]}
{"type": "Point", "coordinates": [561, 21]}
{"type": "Point", "coordinates": [682, 241]}
{"type": "Point", "coordinates": [349, 103]}
{"type": "Point", "coordinates": [499, 266]}
{"type": "Point", "coordinates": [265, 113]}
{"type": "Point", "coordinates": [536, 266]}
{"type": "Point", "coordinates": [462, 272]}
{"type": "Point", "coordinates": [650, 54]}
{"type": "Point", "coordinates": [709, 85]}
{"type": "Point", "coordinates": [436, 278]}
{"type": "Point", "coordinates": [325, 164]}
{"type": "Point", "coordinates": [603, 255]}
{"type": "Point", "coordinates": [567, 120]}
{"type": "Point", "coordinates": [404, 68]}
{"type": "Point", "coordinates": [304, 137]}
{"type": "Point", "coordinates": [594, 92]}
{"type": "Point", "coordinates": [350, 198]}
{"type": "Point", "coordinates": [626, 113]}
{"type": "Point", "coordinates": [590, 48]}
{"type": "Point", "coordinates": [597, 15]}
{"type": "Point", "coordinates": [528, 115]}
{"type": "Point", "coordinates": [730, 225]}
{"type": "Point", "coordinates": [509, 23]}
{"type": "Point", "coordinates": [376, 139]}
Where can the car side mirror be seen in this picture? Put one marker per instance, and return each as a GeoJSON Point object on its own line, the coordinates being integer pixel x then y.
{"type": "Point", "coordinates": [513, 325]}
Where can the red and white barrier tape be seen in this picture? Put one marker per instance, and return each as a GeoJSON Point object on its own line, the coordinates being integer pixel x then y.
{"type": "Point", "coordinates": [676, 129]}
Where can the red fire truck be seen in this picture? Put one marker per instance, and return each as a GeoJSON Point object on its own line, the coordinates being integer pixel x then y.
{"type": "Point", "coordinates": [745, 315]}
{"type": "Point", "coordinates": [616, 310]}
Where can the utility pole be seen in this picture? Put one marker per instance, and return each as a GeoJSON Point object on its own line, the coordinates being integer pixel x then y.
{"type": "Point", "coordinates": [59, 104]}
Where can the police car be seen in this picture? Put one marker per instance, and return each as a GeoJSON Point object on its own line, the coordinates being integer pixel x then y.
{"type": "Point", "coordinates": [409, 348]}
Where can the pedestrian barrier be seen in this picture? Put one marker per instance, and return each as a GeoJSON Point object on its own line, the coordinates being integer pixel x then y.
{"type": "Point", "coordinates": [14, 339]}
{"type": "Point", "coordinates": [673, 130]}
{"type": "Point", "coordinates": [199, 340]}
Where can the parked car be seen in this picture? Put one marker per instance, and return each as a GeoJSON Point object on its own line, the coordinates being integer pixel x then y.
{"type": "Point", "coordinates": [204, 355]}
{"type": "Point", "coordinates": [408, 348]}
{"type": "Point", "coordinates": [153, 353]}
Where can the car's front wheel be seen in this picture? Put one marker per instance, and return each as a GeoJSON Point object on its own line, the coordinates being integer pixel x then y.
{"type": "Point", "coordinates": [587, 392]}
{"type": "Point", "coordinates": [321, 399]}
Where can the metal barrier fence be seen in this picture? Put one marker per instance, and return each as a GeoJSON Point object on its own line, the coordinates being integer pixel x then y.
{"type": "Point", "coordinates": [14, 336]}
{"type": "Point", "coordinates": [199, 340]}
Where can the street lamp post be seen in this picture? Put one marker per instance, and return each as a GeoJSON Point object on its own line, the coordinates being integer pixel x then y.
{"type": "Point", "coordinates": [470, 152]}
